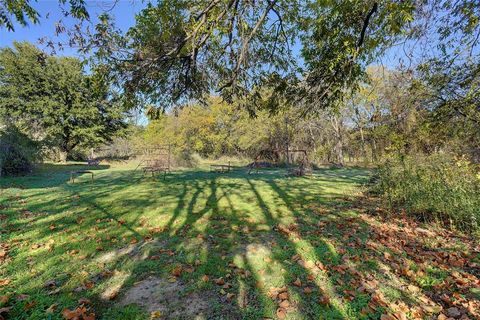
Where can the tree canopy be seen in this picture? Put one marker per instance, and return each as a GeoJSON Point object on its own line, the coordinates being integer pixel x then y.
{"type": "Point", "coordinates": [53, 100]}
{"type": "Point", "coordinates": [309, 52]}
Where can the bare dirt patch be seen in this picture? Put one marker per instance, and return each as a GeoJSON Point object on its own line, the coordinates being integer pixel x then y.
{"type": "Point", "coordinates": [169, 298]}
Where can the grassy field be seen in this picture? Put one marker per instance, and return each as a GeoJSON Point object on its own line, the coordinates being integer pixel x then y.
{"type": "Point", "coordinates": [202, 245]}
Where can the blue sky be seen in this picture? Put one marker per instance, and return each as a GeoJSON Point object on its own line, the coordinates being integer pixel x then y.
{"type": "Point", "coordinates": [123, 10]}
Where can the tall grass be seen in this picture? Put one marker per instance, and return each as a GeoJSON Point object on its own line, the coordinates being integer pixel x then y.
{"type": "Point", "coordinates": [437, 188]}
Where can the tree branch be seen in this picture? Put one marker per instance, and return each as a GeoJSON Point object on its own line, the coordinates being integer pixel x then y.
{"type": "Point", "coordinates": [365, 24]}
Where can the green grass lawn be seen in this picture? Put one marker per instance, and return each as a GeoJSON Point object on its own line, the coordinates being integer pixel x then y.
{"type": "Point", "coordinates": [202, 245]}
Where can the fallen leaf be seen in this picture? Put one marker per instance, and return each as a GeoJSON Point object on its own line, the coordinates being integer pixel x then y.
{"type": "Point", "coordinates": [283, 296]}
{"type": "Point", "coordinates": [4, 282]}
{"type": "Point", "coordinates": [227, 286]}
{"type": "Point", "coordinates": [284, 304]}
{"type": "Point", "coordinates": [281, 314]}
{"type": "Point", "coordinates": [79, 313]}
{"type": "Point", "coordinates": [89, 284]}
{"type": "Point", "coordinates": [51, 309]}
{"type": "Point", "coordinates": [29, 305]}
{"type": "Point", "coordinates": [177, 271]}
{"type": "Point", "coordinates": [307, 290]}
{"type": "Point", "coordinates": [324, 300]}
{"type": "Point", "coordinates": [297, 282]}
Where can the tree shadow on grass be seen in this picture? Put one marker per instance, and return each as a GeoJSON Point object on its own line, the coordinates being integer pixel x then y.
{"type": "Point", "coordinates": [222, 234]}
{"type": "Point", "coordinates": [49, 176]}
{"type": "Point", "coordinates": [249, 235]}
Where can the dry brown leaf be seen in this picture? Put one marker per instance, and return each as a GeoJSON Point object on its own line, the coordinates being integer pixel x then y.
{"type": "Point", "coordinates": [283, 296]}
{"type": "Point", "coordinates": [324, 300]}
{"type": "Point", "coordinates": [281, 313]}
{"type": "Point", "coordinates": [284, 304]}
{"type": "Point", "coordinates": [177, 271]}
{"type": "Point", "coordinates": [4, 282]}
{"type": "Point", "coordinates": [29, 305]}
{"type": "Point", "coordinates": [297, 282]}
{"type": "Point", "coordinates": [307, 290]}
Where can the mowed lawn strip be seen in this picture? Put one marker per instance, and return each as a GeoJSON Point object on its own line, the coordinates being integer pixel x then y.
{"type": "Point", "coordinates": [226, 246]}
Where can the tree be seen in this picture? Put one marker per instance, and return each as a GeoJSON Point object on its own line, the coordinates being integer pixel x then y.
{"type": "Point", "coordinates": [54, 101]}
{"type": "Point", "coordinates": [181, 50]}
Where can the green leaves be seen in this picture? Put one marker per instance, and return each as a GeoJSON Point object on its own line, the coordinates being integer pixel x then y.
{"type": "Point", "coordinates": [16, 10]}
{"type": "Point", "coordinates": [51, 99]}
{"type": "Point", "coordinates": [21, 11]}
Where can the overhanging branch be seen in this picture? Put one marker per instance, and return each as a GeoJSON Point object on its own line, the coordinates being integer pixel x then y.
{"type": "Point", "coordinates": [365, 25]}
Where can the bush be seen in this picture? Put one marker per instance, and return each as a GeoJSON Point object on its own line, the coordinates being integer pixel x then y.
{"type": "Point", "coordinates": [17, 152]}
{"type": "Point", "coordinates": [436, 188]}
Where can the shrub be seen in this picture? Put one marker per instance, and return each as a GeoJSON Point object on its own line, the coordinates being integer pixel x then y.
{"type": "Point", "coordinates": [438, 188]}
{"type": "Point", "coordinates": [17, 152]}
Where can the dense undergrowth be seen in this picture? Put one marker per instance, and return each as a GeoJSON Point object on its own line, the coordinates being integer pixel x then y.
{"type": "Point", "coordinates": [436, 188]}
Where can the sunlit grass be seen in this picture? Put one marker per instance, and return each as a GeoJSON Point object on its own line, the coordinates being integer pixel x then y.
{"type": "Point", "coordinates": [97, 239]}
